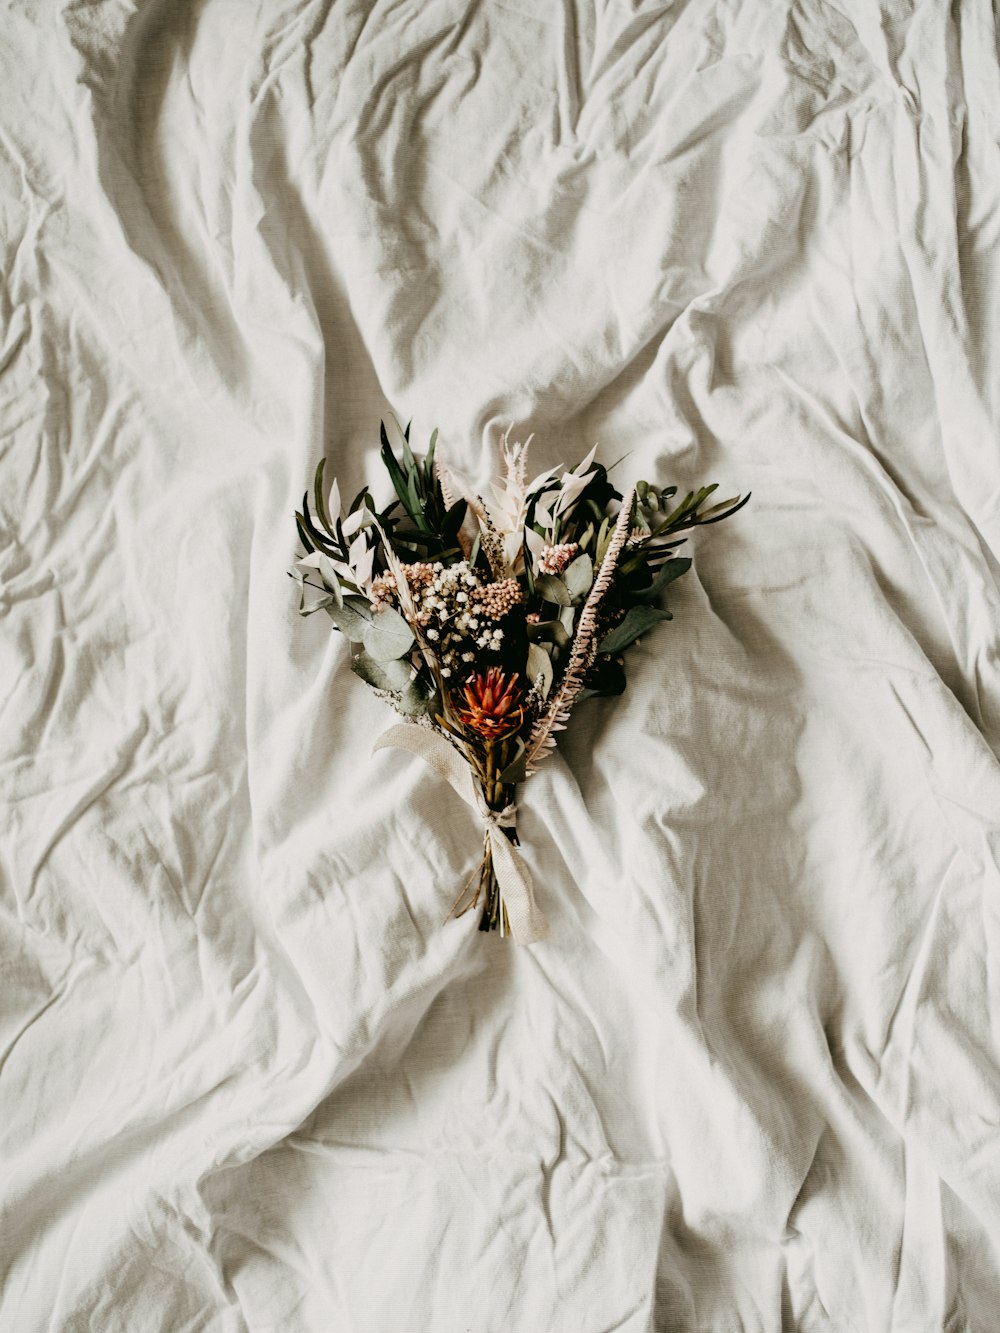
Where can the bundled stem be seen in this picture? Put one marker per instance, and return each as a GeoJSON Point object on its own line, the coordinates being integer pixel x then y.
{"type": "Point", "coordinates": [498, 796]}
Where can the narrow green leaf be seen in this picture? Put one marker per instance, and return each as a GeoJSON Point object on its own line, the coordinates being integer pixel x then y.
{"type": "Point", "coordinates": [453, 521]}
{"type": "Point", "coordinates": [637, 621]}
{"type": "Point", "coordinates": [319, 540]}
{"type": "Point", "coordinates": [429, 460]}
{"type": "Point", "coordinates": [711, 516]}
{"type": "Point", "coordinates": [603, 541]}
{"type": "Point", "coordinates": [321, 513]}
{"type": "Point", "coordinates": [303, 534]}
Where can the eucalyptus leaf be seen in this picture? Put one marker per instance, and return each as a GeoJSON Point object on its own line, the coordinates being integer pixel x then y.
{"type": "Point", "coordinates": [393, 676]}
{"type": "Point", "coordinates": [551, 588]}
{"type": "Point", "coordinates": [352, 619]}
{"type": "Point", "coordinates": [554, 630]}
{"type": "Point", "coordinates": [637, 621]}
{"type": "Point", "coordinates": [540, 664]}
{"type": "Point", "coordinates": [516, 770]}
{"type": "Point", "coordinates": [387, 636]}
{"type": "Point", "coordinates": [579, 576]}
{"type": "Point", "coordinates": [567, 615]}
{"type": "Point", "coordinates": [416, 702]}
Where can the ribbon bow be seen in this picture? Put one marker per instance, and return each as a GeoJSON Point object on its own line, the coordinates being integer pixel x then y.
{"type": "Point", "coordinates": [527, 923]}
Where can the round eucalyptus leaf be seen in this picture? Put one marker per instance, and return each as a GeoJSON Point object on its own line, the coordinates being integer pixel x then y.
{"type": "Point", "coordinates": [387, 636]}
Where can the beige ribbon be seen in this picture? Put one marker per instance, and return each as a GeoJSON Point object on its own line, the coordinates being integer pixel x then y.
{"type": "Point", "coordinates": [527, 924]}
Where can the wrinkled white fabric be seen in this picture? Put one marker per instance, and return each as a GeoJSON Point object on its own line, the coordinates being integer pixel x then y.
{"type": "Point", "coordinates": [248, 1080]}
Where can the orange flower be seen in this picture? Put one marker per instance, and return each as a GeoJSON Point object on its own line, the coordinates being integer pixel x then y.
{"type": "Point", "coordinates": [491, 704]}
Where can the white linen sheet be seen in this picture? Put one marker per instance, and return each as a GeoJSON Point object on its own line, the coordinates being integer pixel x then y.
{"type": "Point", "coordinates": [251, 1080]}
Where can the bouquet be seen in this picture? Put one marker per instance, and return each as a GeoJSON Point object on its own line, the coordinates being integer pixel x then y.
{"type": "Point", "coordinates": [484, 623]}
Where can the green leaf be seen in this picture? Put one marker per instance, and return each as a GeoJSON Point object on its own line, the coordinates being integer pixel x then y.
{"type": "Point", "coordinates": [539, 664]}
{"type": "Point", "coordinates": [667, 573]}
{"type": "Point", "coordinates": [429, 460]}
{"type": "Point", "coordinates": [321, 513]}
{"type": "Point", "coordinates": [605, 678]}
{"type": "Point", "coordinates": [415, 703]}
{"type": "Point", "coordinates": [579, 576]}
{"type": "Point", "coordinates": [603, 540]}
{"type": "Point", "coordinates": [303, 534]}
{"type": "Point", "coordinates": [728, 508]}
{"type": "Point", "coordinates": [516, 770]}
{"type": "Point", "coordinates": [352, 619]}
{"type": "Point", "coordinates": [387, 636]}
{"type": "Point", "coordinates": [637, 621]}
{"type": "Point", "coordinates": [553, 630]}
{"type": "Point", "coordinates": [393, 676]}
{"type": "Point", "coordinates": [318, 540]}
{"type": "Point", "coordinates": [551, 588]}
{"type": "Point", "coordinates": [453, 520]}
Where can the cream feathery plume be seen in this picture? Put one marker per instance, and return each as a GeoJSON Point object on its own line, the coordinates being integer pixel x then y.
{"type": "Point", "coordinates": [444, 481]}
{"type": "Point", "coordinates": [489, 538]}
{"type": "Point", "coordinates": [542, 739]}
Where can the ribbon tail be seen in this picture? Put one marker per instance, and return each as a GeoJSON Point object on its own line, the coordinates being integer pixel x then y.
{"type": "Point", "coordinates": [436, 753]}
{"type": "Point", "coordinates": [527, 922]}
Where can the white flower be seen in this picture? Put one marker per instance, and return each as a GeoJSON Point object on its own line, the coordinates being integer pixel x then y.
{"type": "Point", "coordinates": [574, 482]}
{"type": "Point", "coordinates": [361, 557]}
{"type": "Point", "coordinates": [353, 521]}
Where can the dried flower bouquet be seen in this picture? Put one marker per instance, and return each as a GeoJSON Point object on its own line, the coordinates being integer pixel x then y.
{"type": "Point", "coordinates": [484, 622]}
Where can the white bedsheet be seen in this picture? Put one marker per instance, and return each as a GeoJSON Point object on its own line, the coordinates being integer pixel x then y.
{"type": "Point", "coordinates": [250, 1080]}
